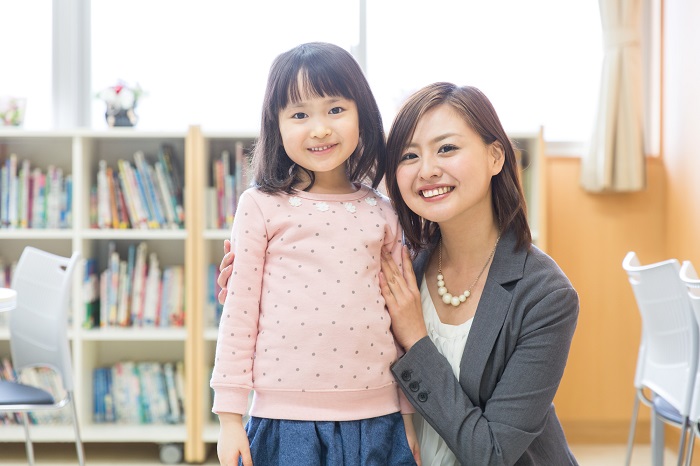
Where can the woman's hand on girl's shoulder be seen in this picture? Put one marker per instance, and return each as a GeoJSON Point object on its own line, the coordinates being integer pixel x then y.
{"type": "Point", "coordinates": [402, 297]}
{"type": "Point", "coordinates": [225, 269]}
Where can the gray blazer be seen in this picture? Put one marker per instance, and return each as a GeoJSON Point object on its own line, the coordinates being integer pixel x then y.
{"type": "Point", "coordinates": [500, 411]}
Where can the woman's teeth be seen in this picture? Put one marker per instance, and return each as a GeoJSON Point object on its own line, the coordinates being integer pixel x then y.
{"type": "Point", "coordinates": [437, 191]}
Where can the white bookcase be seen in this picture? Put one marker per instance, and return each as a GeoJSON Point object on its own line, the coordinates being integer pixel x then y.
{"type": "Point", "coordinates": [78, 153]}
{"type": "Point", "coordinates": [196, 247]}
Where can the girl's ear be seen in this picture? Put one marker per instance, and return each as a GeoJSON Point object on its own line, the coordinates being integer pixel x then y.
{"type": "Point", "coordinates": [496, 157]}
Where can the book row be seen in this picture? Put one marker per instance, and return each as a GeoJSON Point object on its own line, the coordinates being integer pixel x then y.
{"type": "Point", "coordinates": [40, 377]}
{"type": "Point", "coordinates": [34, 198]}
{"type": "Point", "coordinates": [133, 291]}
{"type": "Point", "coordinates": [139, 393]}
{"type": "Point", "coordinates": [230, 177]}
{"type": "Point", "coordinates": [139, 194]}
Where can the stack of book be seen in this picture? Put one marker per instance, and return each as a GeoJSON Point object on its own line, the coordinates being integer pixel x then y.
{"type": "Point", "coordinates": [42, 377]}
{"type": "Point", "coordinates": [137, 194]}
{"type": "Point", "coordinates": [32, 198]}
{"type": "Point", "coordinates": [139, 393]}
{"type": "Point", "coordinates": [133, 291]}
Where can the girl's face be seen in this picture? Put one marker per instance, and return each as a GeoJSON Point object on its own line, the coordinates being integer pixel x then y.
{"type": "Point", "coordinates": [320, 134]}
{"type": "Point", "coordinates": [445, 172]}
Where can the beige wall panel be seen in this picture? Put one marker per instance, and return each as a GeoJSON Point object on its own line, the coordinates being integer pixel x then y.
{"type": "Point", "coordinates": [589, 235]}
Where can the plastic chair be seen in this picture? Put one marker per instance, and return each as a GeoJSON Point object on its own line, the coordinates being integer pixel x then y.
{"type": "Point", "coordinates": [690, 277]}
{"type": "Point", "coordinates": [668, 353]}
{"type": "Point", "coordinates": [38, 337]}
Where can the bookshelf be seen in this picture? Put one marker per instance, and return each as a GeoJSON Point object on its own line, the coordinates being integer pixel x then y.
{"type": "Point", "coordinates": [196, 247]}
{"type": "Point", "coordinates": [78, 154]}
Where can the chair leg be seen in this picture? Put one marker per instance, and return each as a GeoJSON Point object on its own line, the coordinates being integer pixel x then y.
{"type": "Point", "coordinates": [633, 425]}
{"type": "Point", "coordinates": [681, 448]}
{"type": "Point", "coordinates": [78, 441]}
{"type": "Point", "coordinates": [27, 439]}
{"type": "Point", "coordinates": [657, 440]}
{"type": "Point", "coordinates": [691, 444]}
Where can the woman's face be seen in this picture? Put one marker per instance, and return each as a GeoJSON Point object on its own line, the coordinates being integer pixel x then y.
{"type": "Point", "coordinates": [445, 171]}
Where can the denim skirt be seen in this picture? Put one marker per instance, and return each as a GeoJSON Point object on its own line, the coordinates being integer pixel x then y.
{"type": "Point", "coordinates": [379, 441]}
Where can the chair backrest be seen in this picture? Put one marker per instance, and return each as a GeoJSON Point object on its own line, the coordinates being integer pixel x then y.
{"type": "Point", "coordinates": [669, 350]}
{"type": "Point", "coordinates": [690, 278]}
{"type": "Point", "coordinates": [39, 323]}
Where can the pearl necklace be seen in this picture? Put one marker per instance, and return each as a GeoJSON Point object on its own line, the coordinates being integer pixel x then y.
{"type": "Point", "coordinates": [449, 298]}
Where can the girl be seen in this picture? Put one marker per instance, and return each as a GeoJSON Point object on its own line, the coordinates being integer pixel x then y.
{"type": "Point", "coordinates": [304, 323]}
{"type": "Point", "coordinates": [488, 323]}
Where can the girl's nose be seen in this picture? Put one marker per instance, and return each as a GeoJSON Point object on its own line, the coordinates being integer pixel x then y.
{"type": "Point", "coordinates": [320, 130]}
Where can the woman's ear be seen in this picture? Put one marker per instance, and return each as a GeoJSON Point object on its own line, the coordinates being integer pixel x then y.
{"type": "Point", "coordinates": [497, 157]}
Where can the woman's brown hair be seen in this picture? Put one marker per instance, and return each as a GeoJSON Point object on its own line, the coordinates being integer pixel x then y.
{"type": "Point", "coordinates": [507, 195]}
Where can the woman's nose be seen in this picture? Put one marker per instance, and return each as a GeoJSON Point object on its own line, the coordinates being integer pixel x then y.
{"type": "Point", "coordinates": [430, 168]}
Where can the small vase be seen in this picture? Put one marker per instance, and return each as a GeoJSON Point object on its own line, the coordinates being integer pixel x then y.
{"type": "Point", "coordinates": [121, 116]}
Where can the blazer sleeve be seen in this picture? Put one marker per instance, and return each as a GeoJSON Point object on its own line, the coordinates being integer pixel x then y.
{"type": "Point", "coordinates": [517, 410]}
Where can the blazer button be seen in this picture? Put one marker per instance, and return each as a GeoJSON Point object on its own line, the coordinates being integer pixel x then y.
{"type": "Point", "coordinates": [406, 375]}
{"type": "Point", "coordinates": [422, 397]}
{"type": "Point", "coordinates": [414, 386]}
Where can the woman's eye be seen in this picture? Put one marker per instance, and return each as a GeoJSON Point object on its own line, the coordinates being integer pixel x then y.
{"type": "Point", "coordinates": [446, 148]}
{"type": "Point", "coordinates": [299, 116]}
{"type": "Point", "coordinates": [408, 156]}
{"type": "Point", "coordinates": [336, 110]}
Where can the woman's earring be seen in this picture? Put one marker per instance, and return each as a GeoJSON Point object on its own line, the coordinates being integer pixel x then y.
{"type": "Point", "coordinates": [291, 169]}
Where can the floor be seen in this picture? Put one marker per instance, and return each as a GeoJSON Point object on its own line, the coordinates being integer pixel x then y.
{"type": "Point", "coordinates": [148, 455]}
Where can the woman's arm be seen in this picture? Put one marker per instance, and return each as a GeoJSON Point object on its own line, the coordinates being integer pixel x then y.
{"type": "Point", "coordinates": [517, 409]}
{"type": "Point", "coordinates": [225, 269]}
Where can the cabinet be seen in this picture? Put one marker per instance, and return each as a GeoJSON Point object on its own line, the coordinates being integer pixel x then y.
{"type": "Point", "coordinates": [196, 246]}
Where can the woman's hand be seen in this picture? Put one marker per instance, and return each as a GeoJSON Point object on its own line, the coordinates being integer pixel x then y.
{"type": "Point", "coordinates": [412, 437]}
{"type": "Point", "coordinates": [402, 297]}
{"type": "Point", "coordinates": [225, 269]}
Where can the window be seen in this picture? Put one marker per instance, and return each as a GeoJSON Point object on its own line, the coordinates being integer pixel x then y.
{"type": "Point", "coordinates": [538, 61]}
{"type": "Point", "coordinates": [206, 62]}
{"type": "Point", "coordinates": [26, 58]}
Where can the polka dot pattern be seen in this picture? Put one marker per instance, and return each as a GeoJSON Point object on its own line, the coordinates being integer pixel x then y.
{"type": "Point", "coordinates": [307, 291]}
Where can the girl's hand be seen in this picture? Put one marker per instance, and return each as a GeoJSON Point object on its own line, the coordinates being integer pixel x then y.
{"type": "Point", "coordinates": [225, 269]}
{"type": "Point", "coordinates": [402, 297]}
{"type": "Point", "coordinates": [233, 441]}
{"type": "Point", "coordinates": [412, 437]}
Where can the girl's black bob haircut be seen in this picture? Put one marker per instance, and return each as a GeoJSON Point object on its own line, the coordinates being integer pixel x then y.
{"type": "Point", "coordinates": [321, 69]}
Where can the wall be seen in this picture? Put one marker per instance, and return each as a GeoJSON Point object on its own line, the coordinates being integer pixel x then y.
{"type": "Point", "coordinates": [681, 120]}
{"type": "Point", "coordinates": [589, 235]}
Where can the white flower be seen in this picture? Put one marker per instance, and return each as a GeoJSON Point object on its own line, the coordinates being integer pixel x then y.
{"type": "Point", "coordinates": [371, 200]}
{"type": "Point", "coordinates": [295, 201]}
{"type": "Point", "coordinates": [350, 207]}
{"type": "Point", "coordinates": [322, 206]}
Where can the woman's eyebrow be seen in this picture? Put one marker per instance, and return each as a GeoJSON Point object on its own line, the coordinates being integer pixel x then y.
{"type": "Point", "coordinates": [436, 139]}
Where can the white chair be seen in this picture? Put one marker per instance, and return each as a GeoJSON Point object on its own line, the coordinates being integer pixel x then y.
{"type": "Point", "coordinates": [690, 277]}
{"type": "Point", "coordinates": [38, 337]}
{"type": "Point", "coordinates": [668, 353]}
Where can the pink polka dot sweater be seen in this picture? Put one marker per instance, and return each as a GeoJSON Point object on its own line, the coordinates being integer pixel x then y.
{"type": "Point", "coordinates": [304, 323]}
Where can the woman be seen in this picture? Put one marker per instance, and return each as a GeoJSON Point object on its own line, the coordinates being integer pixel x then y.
{"type": "Point", "coordinates": [482, 365]}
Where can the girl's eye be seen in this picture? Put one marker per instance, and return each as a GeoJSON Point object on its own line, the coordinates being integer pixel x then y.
{"type": "Point", "coordinates": [299, 116]}
{"type": "Point", "coordinates": [408, 156]}
{"type": "Point", "coordinates": [336, 110]}
{"type": "Point", "coordinates": [446, 148]}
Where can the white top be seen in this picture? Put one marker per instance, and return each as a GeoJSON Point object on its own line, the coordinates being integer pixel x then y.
{"type": "Point", "coordinates": [8, 299]}
{"type": "Point", "coordinates": [449, 341]}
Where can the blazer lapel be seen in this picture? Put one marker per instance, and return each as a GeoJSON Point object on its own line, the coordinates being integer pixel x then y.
{"type": "Point", "coordinates": [507, 266]}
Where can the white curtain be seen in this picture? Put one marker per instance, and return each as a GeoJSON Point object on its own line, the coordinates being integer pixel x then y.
{"type": "Point", "coordinates": [615, 159]}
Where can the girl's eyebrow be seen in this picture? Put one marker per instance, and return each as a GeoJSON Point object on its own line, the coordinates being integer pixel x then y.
{"type": "Point", "coordinates": [305, 102]}
{"type": "Point", "coordinates": [435, 140]}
